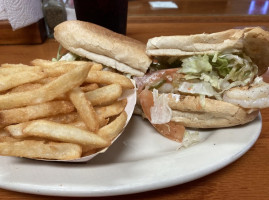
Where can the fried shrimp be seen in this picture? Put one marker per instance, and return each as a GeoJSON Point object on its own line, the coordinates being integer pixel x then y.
{"type": "Point", "coordinates": [254, 96]}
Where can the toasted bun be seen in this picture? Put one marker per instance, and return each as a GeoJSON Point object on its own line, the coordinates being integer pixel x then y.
{"type": "Point", "coordinates": [256, 46]}
{"type": "Point", "coordinates": [252, 41]}
{"type": "Point", "coordinates": [181, 45]}
{"type": "Point", "coordinates": [190, 111]}
{"type": "Point", "coordinates": [103, 46]}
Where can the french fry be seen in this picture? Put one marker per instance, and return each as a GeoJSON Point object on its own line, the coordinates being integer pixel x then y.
{"type": "Point", "coordinates": [53, 64]}
{"type": "Point", "coordinates": [64, 118]}
{"type": "Point", "coordinates": [6, 138]}
{"type": "Point", "coordinates": [102, 121]}
{"type": "Point", "coordinates": [16, 130]}
{"type": "Point", "coordinates": [8, 65]}
{"type": "Point", "coordinates": [25, 87]}
{"type": "Point", "coordinates": [111, 110]}
{"type": "Point", "coordinates": [46, 80]}
{"type": "Point", "coordinates": [96, 67]}
{"type": "Point", "coordinates": [104, 95]}
{"type": "Point", "coordinates": [23, 114]}
{"type": "Point", "coordinates": [89, 87]}
{"type": "Point", "coordinates": [87, 152]}
{"type": "Point", "coordinates": [54, 69]}
{"type": "Point", "coordinates": [80, 124]}
{"type": "Point", "coordinates": [107, 77]}
{"type": "Point", "coordinates": [63, 133]}
{"type": "Point", "coordinates": [58, 71]}
{"type": "Point", "coordinates": [17, 69]}
{"type": "Point", "coordinates": [41, 82]}
{"type": "Point", "coordinates": [15, 79]}
{"type": "Point", "coordinates": [85, 109]}
{"type": "Point", "coordinates": [112, 130]}
{"type": "Point", "coordinates": [47, 92]}
{"type": "Point", "coordinates": [41, 150]}
{"type": "Point", "coordinates": [4, 132]}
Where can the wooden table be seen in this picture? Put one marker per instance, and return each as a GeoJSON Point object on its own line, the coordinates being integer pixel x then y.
{"type": "Point", "coordinates": [246, 178]}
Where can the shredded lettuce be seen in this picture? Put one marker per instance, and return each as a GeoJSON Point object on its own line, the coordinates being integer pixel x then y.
{"type": "Point", "coordinates": [190, 138]}
{"type": "Point", "coordinates": [196, 65]}
{"type": "Point", "coordinates": [214, 59]}
{"type": "Point", "coordinates": [222, 71]}
{"type": "Point", "coordinates": [212, 78]}
{"type": "Point", "coordinates": [221, 65]}
{"type": "Point", "coordinates": [58, 54]}
{"type": "Point", "coordinates": [69, 57]}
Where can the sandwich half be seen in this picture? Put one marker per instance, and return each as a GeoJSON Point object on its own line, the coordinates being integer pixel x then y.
{"type": "Point", "coordinates": [98, 44]}
{"type": "Point", "coordinates": [205, 80]}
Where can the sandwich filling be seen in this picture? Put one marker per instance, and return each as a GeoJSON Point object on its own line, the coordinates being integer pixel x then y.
{"type": "Point", "coordinates": [210, 76]}
{"type": "Point", "coordinates": [207, 76]}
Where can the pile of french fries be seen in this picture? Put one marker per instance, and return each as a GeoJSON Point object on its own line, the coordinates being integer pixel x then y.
{"type": "Point", "coordinates": [60, 110]}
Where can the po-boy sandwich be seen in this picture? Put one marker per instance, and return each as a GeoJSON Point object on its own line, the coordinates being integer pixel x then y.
{"type": "Point", "coordinates": [205, 80]}
{"type": "Point", "coordinates": [98, 44]}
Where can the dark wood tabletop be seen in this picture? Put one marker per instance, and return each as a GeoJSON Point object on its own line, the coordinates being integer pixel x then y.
{"type": "Point", "coordinates": [246, 178]}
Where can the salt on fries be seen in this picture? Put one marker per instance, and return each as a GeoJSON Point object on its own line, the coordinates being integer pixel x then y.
{"type": "Point", "coordinates": [59, 110]}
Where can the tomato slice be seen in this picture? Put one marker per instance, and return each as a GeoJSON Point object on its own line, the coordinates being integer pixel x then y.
{"type": "Point", "coordinates": [171, 130]}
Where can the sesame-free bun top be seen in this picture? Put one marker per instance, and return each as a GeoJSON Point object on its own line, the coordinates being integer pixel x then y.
{"type": "Point", "coordinates": [254, 42]}
{"type": "Point", "coordinates": [101, 45]}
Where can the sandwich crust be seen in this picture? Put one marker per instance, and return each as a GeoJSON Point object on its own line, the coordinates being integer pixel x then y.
{"type": "Point", "coordinates": [190, 112]}
{"type": "Point", "coordinates": [256, 46]}
{"type": "Point", "coordinates": [181, 45]}
{"type": "Point", "coordinates": [92, 41]}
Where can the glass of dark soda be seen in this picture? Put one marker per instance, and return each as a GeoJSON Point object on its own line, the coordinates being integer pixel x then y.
{"type": "Point", "coordinates": [111, 14]}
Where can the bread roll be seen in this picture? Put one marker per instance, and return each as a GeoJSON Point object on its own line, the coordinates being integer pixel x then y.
{"type": "Point", "coordinates": [101, 45]}
{"type": "Point", "coordinates": [254, 42]}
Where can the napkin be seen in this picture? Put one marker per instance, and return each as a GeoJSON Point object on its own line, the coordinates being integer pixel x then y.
{"type": "Point", "coordinates": [71, 13]}
{"type": "Point", "coordinates": [21, 13]}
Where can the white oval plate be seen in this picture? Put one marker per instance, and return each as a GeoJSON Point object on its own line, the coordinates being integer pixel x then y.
{"type": "Point", "coordinates": [140, 160]}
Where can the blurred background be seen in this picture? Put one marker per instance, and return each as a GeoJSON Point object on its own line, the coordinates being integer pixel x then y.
{"type": "Point", "coordinates": [208, 15]}
{"type": "Point", "coordinates": [198, 7]}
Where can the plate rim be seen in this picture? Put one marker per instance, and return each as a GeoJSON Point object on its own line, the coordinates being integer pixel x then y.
{"type": "Point", "coordinates": [138, 189]}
